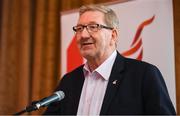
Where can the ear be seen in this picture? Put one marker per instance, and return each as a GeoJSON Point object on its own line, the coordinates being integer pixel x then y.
{"type": "Point", "coordinates": [115, 35]}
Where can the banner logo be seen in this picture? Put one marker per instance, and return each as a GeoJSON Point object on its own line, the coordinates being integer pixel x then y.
{"type": "Point", "coordinates": [137, 41]}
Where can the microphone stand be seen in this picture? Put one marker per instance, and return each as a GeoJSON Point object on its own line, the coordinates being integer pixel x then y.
{"type": "Point", "coordinates": [29, 108]}
{"type": "Point", "coordinates": [21, 112]}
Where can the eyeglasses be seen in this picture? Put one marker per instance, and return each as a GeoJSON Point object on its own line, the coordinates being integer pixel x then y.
{"type": "Point", "coordinates": [90, 28]}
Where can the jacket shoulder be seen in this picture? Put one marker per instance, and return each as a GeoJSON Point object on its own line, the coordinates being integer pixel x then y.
{"type": "Point", "coordinates": [76, 71]}
{"type": "Point", "coordinates": [137, 64]}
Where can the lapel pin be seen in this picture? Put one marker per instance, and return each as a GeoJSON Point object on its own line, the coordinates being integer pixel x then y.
{"type": "Point", "coordinates": [114, 82]}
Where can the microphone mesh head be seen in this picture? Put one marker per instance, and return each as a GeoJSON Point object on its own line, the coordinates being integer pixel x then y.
{"type": "Point", "coordinates": [60, 94]}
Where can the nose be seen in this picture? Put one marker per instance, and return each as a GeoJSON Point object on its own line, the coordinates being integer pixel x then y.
{"type": "Point", "coordinates": [85, 33]}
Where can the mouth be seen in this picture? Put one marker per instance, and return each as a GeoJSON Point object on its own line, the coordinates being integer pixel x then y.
{"type": "Point", "coordinates": [87, 44]}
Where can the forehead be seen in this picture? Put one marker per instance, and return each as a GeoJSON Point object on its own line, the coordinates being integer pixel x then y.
{"type": "Point", "coordinates": [91, 17]}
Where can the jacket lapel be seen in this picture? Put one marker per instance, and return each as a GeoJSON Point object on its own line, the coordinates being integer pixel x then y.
{"type": "Point", "coordinates": [113, 84]}
{"type": "Point", "coordinates": [77, 88]}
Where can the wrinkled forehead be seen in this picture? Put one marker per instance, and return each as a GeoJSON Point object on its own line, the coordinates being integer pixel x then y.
{"type": "Point", "coordinates": [91, 17]}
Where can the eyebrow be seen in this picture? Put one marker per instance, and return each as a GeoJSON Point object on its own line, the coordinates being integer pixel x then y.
{"type": "Point", "coordinates": [92, 22]}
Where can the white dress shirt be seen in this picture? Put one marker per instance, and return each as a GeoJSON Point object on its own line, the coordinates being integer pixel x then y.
{"type": "Point", "coordinates": [94, 87]}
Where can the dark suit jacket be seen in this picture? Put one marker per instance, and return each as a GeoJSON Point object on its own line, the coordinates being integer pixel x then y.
{"type": "Point", "coordinates": [140, 89]}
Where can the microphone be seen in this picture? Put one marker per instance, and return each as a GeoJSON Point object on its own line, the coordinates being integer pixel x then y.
{"type": "Point", "coordinates": [57, 96]}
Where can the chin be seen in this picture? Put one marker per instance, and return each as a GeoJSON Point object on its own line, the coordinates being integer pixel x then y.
{"type": "Point", "coordinates": [87, 55]}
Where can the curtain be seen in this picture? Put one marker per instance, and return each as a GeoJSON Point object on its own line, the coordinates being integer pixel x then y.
{"type": "Point", "coordinates": [176, 6]}
{"type": "Point", "coordinates": [14, 55]}
{"type": "Point", "coordinates": [30, 50]}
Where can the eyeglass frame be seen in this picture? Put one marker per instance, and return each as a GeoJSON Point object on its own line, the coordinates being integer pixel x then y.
{"type": "Point", "coordinates": [99, 26]}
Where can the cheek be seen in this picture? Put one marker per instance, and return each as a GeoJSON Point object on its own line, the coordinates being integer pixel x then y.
{"type": "Point", "coordinates": [77, 43]}
{"type": "Point", "coordinates": [107, 39]}
{"type": "Point", "coordinates": [77, 40]}
{"type": "Point", "coordinates": [102, 43]}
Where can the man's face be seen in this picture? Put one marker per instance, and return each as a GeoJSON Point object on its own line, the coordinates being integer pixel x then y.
{"type": "Point", "coordinates": [97, 44]}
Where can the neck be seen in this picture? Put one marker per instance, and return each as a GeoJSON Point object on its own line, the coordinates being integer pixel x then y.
{"type": "Point", "coordinates": [93, 63]}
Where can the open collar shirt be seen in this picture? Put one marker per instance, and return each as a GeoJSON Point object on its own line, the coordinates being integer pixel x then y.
{"type": "Point", "coordinates": [94, 87]}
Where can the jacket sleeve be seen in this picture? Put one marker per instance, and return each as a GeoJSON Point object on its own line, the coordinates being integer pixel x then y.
{"type": "Point", "coordinates": [155, 94]}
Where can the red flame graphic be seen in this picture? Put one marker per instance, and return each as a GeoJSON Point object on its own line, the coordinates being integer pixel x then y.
{"type": "Point", "coordinates": [74, 59]}
{"type": "Point", "coordinates": [137, 41]}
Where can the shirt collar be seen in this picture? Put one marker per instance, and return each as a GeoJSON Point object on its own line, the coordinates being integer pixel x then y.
{"type": "Point", "coordinates": [105, 68]}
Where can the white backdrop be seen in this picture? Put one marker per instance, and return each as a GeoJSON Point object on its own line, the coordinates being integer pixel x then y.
{"type": "Point", "coordinates": [149, 23]}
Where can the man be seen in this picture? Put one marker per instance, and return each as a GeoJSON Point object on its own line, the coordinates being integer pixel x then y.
{"type": "Point", "coordinates": [108, 83]}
